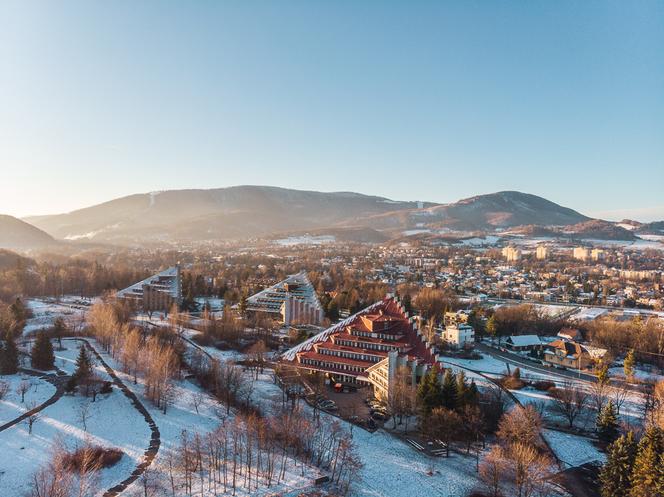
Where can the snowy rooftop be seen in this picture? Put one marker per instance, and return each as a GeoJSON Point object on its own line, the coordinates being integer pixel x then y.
{"type": "Point", "coordinates": [166, 281]}
{"type": "Point", "coordinates": [289, 355]}
{"type": "Point", "coordinates": [271, 299]}
{"type": "Point", "coordinates": [524, 340]}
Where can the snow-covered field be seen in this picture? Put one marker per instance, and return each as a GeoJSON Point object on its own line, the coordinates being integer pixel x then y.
{"type": "Point", "coordinates": [488, 240]}
{"type": "Point", "coordinates": [652, 375]}
{"type": "Point", "coordinates": [305, 240]}
{"type": "Point", "coordinates": [392, 468]}
{"type": "Point", "coordinates": [572, 450]}
{"type": "Point", "coordinates": [11, 406]}
{"type": "Point", "coordinates": [112, 422]}
{"type": "Point", "coordinates": [45, 311]}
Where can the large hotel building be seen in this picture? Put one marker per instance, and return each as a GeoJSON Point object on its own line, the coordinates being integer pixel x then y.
{"type": "Point", "coordinates": [367, 349]}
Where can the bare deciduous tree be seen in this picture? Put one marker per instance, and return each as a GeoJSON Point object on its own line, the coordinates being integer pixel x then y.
{"type": "Point", "coordinates": [84, 414]}
{"type": "Point", "coordinates": [520, 425]}
{"type": "Point", "coordinates": [33, 416]}
{"type": "Point", "coordinates": [197, 399]}
{"type": "Point", "coordinates": [569, 401]}
{"type": "Point", "coordinates": [492, 471]}
{"type": "Point", "coordinates": [23, 388]}
{"type": "Point", "coordinates": [4, 388]}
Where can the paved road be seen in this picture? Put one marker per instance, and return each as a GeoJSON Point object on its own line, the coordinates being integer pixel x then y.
{"type": "Point", "coordinates": [525, 363]}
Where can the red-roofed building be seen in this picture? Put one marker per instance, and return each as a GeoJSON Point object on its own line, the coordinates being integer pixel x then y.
{"type": "Point", "coordinates": [367, 348]}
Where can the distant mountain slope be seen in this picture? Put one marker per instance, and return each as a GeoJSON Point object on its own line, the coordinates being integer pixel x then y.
{"type": "Point", "coordinates": [654, 228]}
{"type": "Point", "coordinates": [484, 213]}
{"type": "Point", "coordinates": [17, 234]}
{"type": "Point", "coordinates": [261, 211]}
{"type": "Point", "coordinates": [236, 212]}
{"type": "Point", "coordinates": [595, 229]}
{"type": "Point", "coordinates": [505, 209]}
{"type": "Point", "coordinates": [599, 230]}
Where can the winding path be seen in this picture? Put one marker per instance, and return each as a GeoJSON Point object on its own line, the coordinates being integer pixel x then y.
{"type": "Point", "coordinates": [56, 380]}
{"type": "Point", "coordinates": [155, 439]}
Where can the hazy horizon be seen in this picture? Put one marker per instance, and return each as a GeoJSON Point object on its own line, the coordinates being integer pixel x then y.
{"type": "Point", "coordinates": [432, 101]}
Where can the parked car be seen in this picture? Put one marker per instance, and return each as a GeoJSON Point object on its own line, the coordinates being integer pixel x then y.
{"type": "Point", "coordinates": [329, 405]}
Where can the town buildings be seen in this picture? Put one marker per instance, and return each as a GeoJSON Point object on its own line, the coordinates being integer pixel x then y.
{"type": "Point", "coordinates": [542, 252]}
{"type": "Point", "coordinates": [581, 253]}
{"type": "Point", "coordinates": [511, 254]}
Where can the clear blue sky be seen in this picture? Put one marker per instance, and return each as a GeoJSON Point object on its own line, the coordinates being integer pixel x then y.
{"type": "Point", "coordinates": [411, 100]}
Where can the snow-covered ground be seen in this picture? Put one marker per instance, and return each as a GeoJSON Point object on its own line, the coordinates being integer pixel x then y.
{"type": "Point", "coordinates": [305, 240]}
{"type": "Point", "coordinates": [181, 415]}
{"type": "Point", "coordinates": [72, 309]}
{"type": "Point", "coordinates": [113, 422]}
{"type": "Point", "coordinates": [488, 240]}
{"type": "Point", "coordinates": [392, 468]}
{"type": "Point", "coordinates": [652, 375]}
{"type": "Point", "coordinates": [572, 450]}
{"type": "Point", "coordinates": [11, 406]}
{"type": "Point", "coordinates": [417, 231]}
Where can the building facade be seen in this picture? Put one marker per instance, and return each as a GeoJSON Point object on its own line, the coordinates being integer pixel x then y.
{"type": "Point", "coordinates": [157, 293]}
{"type": "Point", "coordinates": [291, 301]}
{"type": "Point", "coordinates": [367, 348]}
{"type": "Point", "coordinates": [458, 335]}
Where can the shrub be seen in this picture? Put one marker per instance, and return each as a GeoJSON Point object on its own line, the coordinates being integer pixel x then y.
{"type": "Point", "coordinates": [107, 387]}
{"type": "Point", "coordinates": [544, 385]}
{"type": "Point", "coordinates": [512, 383]}
{"type": "Point", "coordinates": [91, 459]}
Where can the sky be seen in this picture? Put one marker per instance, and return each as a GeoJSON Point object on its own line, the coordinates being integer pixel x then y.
{"type": "Point", "coordinates": [412, 100]}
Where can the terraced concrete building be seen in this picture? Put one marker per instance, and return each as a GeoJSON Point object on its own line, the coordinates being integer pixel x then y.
{"type": "Point", "coordinates": [291, 301]}
{"type": "Point", "coordinates": [367, 349]}
{"type": "Point", "coordinates": [156, 293]}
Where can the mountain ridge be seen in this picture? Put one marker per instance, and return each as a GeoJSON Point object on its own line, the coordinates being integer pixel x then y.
{"type": "Point", "coordinates": [18, 234]}
{"type": "Point", "coordinates": [254, 211]}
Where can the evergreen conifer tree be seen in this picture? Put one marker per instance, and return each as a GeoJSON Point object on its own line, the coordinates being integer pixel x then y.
{"type": "Point", "coordinates": [449, 391]}
{"type": "Point", "coordinates": [407, 303]}
{"type": "Point", "coordinates": [607, 423]}
{"type": "Point", "coordinates": [603, 374]}
{"type": "Point", "coordinates": [429, 392]}
{"type": "Point", "coordinates": [242, 306]}
{"type": "Point", "coordinates": [615, 474]}
{"type": "Point", "coordinates": [646, 464]}
{"type": "Point", "coordinates": [42, 353]}
{"type": "Point", "coordinates": [659, 484]}
{"type": "Point", "coordinates": [83, 365]}
{"type": "Point", "coordinates": [461, 390]}
{"type": "Point", "coordinates": [9, 356]}
{"type": "Point", "coordinates": [473, 394]}
{"type": "Point", "coordinates": [628, 365]}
